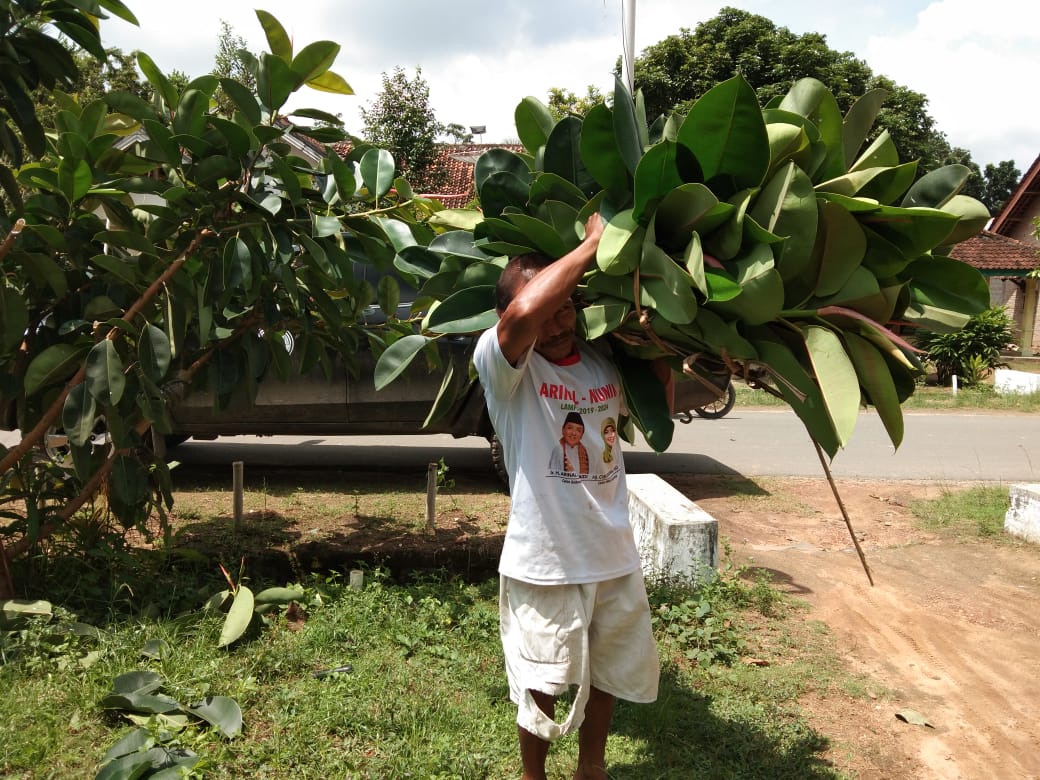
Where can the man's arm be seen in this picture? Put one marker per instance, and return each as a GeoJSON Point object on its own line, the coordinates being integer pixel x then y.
{"type": "Point", "coordinates": [539, 300]}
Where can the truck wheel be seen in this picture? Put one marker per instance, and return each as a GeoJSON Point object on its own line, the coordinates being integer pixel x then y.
{"type": "Point", "coordinates": [719, 407]}
{"type": "Point", "coordinates": [498, 461]}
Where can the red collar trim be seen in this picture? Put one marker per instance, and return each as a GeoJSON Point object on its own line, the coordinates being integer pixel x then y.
{"type": "Point", "coordinates": [570, 360]}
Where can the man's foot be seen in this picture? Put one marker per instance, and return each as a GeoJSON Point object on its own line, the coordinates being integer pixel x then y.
{"type": "Point", "coordinates": [591, 772]}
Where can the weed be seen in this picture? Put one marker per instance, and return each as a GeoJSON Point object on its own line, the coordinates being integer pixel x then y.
{"type": "Point", "coordinates": [975, 512]}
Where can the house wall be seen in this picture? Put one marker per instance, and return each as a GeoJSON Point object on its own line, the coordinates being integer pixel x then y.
{"type": "Point", "coordinates": [1004, 292]}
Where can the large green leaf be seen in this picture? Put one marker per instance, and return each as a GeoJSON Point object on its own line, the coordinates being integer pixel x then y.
{"type": "Point", "coordinates": [876, 381]}
{"type": "Point", "coordinates": [332, 83]}
{"type": "Point", "coordinates": [563, 155]}
{"type": "Point", "coordinates": [74, 178]}
{"type": "Point", "coordinates": [221, 712]}
{"type": "Point", "coordinates": [935, 188]}
{"type": "Point", "coordinates": [762, 290]}
{"type": "Point", "coordinates": [647, 400]}
{"type": "Point", "coordinates": [800, 391]}
{"type": "Point", "coordinates": [54, 364]}
{"type": "Point", "coordinates": [397, 357]}
{"type": "Point", "coordinates": [502, 190]}
{"type": "Point", "coordinates": [881, 153]}
{"type": "Point", "coordinates": [79, 415]}
{"type": "Point", "coordinates": [627, 133]}
{"type": "Point", "coordinates": [620, 247]}
{"type": "Point", "coordinates": [836, 377]}
{"type": "Point", "coordinates": [602, 318]}
{"type": "Point", "coordinates": [14, 318]}
{"type": "Point", "coordinates": [656, 175]}
{"type": "Point", "coordinates": [128, 480]}
{"type": "Point", "coordinates": [727, 134]}
{"type": "Point", "coordinates": [105, 373]}
{"type": "Point", "coordinates": [841, 250]}
{"type": "Point", "coordinates": [972, 218]}
{"type": "Point", "coordinates": [275, 82]}
{"type": "Point", "coordinates": [599, 150]}
{"type": "Point", "coordinates": [859, 119]}
{"type": "Point", "coordinates": [377, 172]}
{"type": "Point", "coordinates": [810, 98]}
{"type": "Point", "coordinates": [688, 208]}
{"type": "Point", "coordinates": [494, 160]}
{"type": "Point", "coordinates": [668, 286]}
{"type": "Point", "coordinates": [238, 618]}
{"type": "Point", "coordinates": [549, 186]}
{"type": "Point", "coordinates": [314, 59]}
{"type": "Point", "coordinates": [787, 207]}
{"type": "Point", "coordinates": [544, 237]}
{"type": "Point", "coordinates": [277, 38]}
{"type": "Point", "coordinates": [944, 293]}
{"type": "Point", "coordinates": [914, 231]}
{"type": "Point", "coordinates": [534, 123]}
{"type": "Point", "coordinates": [163, 86]}
{"type": "Point", "coordinates": [467, 311]}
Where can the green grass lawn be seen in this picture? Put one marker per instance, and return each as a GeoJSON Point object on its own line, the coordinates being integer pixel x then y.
{"type": "Point", "coordinates": [425, 694]}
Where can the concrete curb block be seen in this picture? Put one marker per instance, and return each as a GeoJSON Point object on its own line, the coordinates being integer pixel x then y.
{"type": "Point", "coordinates": [1023, 517]}
{"type": "Point", "coordinates": [676, 538]}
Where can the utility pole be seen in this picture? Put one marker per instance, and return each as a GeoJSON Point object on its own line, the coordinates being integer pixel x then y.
{"type": "Point", "coordinates": [628, 28]}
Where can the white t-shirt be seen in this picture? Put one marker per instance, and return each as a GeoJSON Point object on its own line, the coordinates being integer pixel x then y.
{"type": "Point", "coordinates": [568, 521]}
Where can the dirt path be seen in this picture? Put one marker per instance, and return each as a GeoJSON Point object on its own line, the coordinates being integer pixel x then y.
{"type": "Point", "coordinates": [951, 628]}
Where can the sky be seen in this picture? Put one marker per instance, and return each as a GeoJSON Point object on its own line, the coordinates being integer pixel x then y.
{"type": "Point", "coordinates": [976, 62]}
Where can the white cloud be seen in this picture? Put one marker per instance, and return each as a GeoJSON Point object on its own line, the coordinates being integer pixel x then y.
{"type": "Point", "coordinates": [974, 61]}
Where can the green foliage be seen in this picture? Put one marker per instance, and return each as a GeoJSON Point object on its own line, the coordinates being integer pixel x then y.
{"type": "Point", "coordinates": [157, 747]}
{"type": "Point", "coordinates": [32, 56]}
{"type": "Point", "coordinates": [389, 680]}
{"type": "Point", "coordinates": [774, 241]}
{"type": "Point", "coordinates": [169, 247]}
{"type": "Point", "coordinates": [677, 71]}
{"type": "Point", "coordinates": [402, 120]}
{"type": "Point", "coordinates": [974, 512]}
{"type": "Point", "coordinates": [233, 60]}
{"type": "Point", "coordinates": [972, 352]}
{"type": "Point", "coordinates": [563, 102]}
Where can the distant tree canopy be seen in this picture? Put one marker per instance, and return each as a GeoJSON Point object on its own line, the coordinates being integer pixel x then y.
{"type": "Point", "coordinates": [673, 73]}
{"type": "Point", "coordinates": [402, 120]}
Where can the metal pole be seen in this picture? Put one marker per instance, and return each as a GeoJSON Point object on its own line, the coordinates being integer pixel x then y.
{"type": "Point", "coordinates": [629, 28]}
{"type": "Point", "coordinates": [237, 471]}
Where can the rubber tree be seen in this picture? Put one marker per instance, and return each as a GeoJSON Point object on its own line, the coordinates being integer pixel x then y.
{"type": "Point", "coordinates": [767, 241]}
{"type": "Point", "coordinates": [159, 247]}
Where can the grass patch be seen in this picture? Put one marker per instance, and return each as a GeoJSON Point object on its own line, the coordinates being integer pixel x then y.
{"type": "Point", "coordinates": [977, 512]}
{"type": "Point", "coordinates": [425, 695]}
{"type": "Point", "coordinates": [925, 398]}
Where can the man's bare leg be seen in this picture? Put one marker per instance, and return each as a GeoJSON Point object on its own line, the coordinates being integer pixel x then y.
{"type": "Point", "coordinates": [533, 750]}
{"type": "Point", "coordinates": [592, 737]}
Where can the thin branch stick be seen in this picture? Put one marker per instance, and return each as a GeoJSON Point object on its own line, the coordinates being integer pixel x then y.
{"type": "Point", "coordinates": [12, 236]}
{"type": "Point", "coordinates": [29, 439]}
{"type": "Point", "coordinates": [844, 513]}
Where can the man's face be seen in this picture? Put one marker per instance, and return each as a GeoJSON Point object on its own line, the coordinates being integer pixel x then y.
{"type": "Point", "coordinates": [556, 338]}
{"type": "Point", "coordinates": [572, 433]}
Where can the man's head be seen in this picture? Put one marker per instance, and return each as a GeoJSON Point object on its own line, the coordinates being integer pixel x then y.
{"type": "Point", "coordinates": [573, 429]}
{"type": "Point", "coordinates": [556, 338]}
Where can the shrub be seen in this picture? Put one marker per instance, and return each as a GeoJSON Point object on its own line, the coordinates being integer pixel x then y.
{"type": "Point", "coordinates": [972, 352]}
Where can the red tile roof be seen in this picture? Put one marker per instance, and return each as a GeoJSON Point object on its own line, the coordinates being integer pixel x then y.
{"type": "Point", "coordinates": [991, 251]}
{"type": "Point", "coordinates": [1022, 204]}
{"type": "Point", "coordinates": [452, 170]}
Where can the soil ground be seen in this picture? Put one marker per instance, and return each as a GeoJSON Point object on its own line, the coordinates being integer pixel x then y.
{"type": "Point", "coordinates": [950, 629]}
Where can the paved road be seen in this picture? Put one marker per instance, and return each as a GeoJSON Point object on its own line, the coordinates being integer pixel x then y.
{"type": "Point", "coordinates": [937, 447]}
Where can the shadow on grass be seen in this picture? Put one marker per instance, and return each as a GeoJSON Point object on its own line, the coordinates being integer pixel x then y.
{"type": "Point", "coordinates": [685, 738]}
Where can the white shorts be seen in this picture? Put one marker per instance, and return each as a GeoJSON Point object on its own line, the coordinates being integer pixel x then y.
{"type": "Point", "coordinates": [558, 636]}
